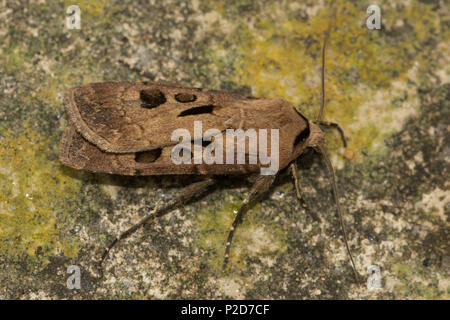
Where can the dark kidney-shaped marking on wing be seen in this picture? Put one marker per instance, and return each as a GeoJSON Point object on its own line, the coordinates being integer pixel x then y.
{"type": "Point", "coordinates": [197, 110]}
{"type": "Point", "coordinates": [152, 98]}
{"type": "Point", "coordinates": [185, 97]}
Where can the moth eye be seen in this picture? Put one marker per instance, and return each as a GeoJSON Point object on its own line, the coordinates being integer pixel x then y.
{"type": "Point", "coordinates": [197, 110]}
{"type": "Point", "coordinates": [152, 98]}
{"type": "Point", "coordinates": [302, 136]}
{"type": "Point", "coordinates": [185, 97]}
{"type": "Point", "coordinates": [147, 156]}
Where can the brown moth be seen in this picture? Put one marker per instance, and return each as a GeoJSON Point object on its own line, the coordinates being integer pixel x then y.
{"type": "Point", "coordinates": [125, 128]}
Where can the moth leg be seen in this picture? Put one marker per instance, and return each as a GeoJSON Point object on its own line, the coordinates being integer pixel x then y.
{"type": "Point", "coordinates": [334, 125]}
{"type": "Point", "coordinates": [294, 170]}
{"type": "Point", "coordinates": [261, 185]}
{"type": "Point", "coordinates": [186, 194]}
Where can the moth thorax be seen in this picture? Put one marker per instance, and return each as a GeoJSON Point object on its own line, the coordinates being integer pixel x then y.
{"type": "Point", "coordinates": [316, 137]}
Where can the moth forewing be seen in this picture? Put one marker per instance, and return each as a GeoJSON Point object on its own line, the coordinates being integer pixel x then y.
{"type": "Point", "coordinates": [115, 130]}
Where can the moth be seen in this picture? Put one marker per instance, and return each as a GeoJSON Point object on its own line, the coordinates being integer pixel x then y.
{"type": "Point", "coordinates": [126, 128]}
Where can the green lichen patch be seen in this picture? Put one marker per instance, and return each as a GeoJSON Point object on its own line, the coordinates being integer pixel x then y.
{"type": "Point", "coordinates": [92, 9]}
{"type": "Point", "coordinates": [253, 238]}
{"type": "Point", "coordinates": [36, 200]}
{"type": "Point", "coordinates": [414, 282]}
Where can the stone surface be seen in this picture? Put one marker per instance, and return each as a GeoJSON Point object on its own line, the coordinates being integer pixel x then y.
{"type": "Point", "coordinates": [389, 89]}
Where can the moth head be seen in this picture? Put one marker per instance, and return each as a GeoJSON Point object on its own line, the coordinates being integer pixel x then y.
{"type": "Point", "coordinates": [309, 135]}
{"type": "Point", "coordinates": [316, 136]}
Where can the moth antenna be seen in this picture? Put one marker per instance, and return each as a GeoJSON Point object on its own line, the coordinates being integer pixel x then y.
{"type": "Point", "coordinates": [324, 46]}
{"type": "Point", "coordinates": [322, 104]}
{"type": "Point", "coordinates": [330, 168]}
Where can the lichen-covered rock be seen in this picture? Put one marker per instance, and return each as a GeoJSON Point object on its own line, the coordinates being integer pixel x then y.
{"type": "Point", "coordinates": [389, 89]}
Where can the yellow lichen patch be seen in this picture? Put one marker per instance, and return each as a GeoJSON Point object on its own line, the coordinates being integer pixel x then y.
{"type": "Point", "coordinates": [90, 8]}
{"type": "Point", "coordinates": [33, 191]}
{"type": "Point", "coordinates": [279, 54]}
{"type": "Point", "coordinates": [414, 282]}
{"type": "Point", "coordinates": [14, 59]}
{"type": "Point", "coordinates": [251, 237]}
